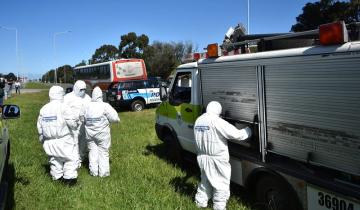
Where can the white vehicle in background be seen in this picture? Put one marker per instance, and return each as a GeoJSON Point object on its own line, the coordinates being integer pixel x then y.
{"type": "Point", "coordinates": [302, 103]}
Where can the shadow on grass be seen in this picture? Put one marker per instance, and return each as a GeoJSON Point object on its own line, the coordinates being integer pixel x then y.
{"type": "Point", "coordinates": [11, 180]}
{"type": "Point", "coordinates": [180, 184]}
{"type": "Point", "coordinates": [188, 165]}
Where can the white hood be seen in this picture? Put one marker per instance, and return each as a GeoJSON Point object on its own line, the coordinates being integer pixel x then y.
{"type": "Point", "coordinates": [78, 86]}
{"type": "Point", "coordinates": [56, 93]}
{"type": "Point", "coordinates": [214, 107]}
{"type": "Point", "coordinates": [97, 94]}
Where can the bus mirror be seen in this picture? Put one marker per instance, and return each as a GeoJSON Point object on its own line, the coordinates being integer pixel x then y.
{"type": "Point", "coordinates": [163, 92]}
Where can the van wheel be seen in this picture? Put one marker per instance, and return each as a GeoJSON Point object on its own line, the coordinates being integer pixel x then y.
{"type": "Point", "coordinates": [173, 149]}
{"type": "Point", "coordinates": [137, 105]}
{"type": "Point", "coordinates": [274, 193]}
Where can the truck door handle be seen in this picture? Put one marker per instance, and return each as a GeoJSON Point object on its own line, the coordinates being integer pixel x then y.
{"type": "Point", "coordinates": [188, 110]}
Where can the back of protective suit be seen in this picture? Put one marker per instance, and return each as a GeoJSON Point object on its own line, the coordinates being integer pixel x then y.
{"type": "Point", "coordinates": [52, 122]}
{"type": "Point", "coordinates": [208, 139]}
{"type": "Point", "coordinates": [98, 116]}
{"type": "Point", "coordinates": [211, 133]}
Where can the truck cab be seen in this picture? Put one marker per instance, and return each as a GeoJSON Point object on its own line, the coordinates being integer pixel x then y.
{"type": "Point", "coordinates": [183, 106]}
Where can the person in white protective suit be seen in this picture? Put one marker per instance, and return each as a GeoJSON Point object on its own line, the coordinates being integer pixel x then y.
{"type": "Point", "coordinates": [55, 125]}
{"type": "Point", "coordinates": [97, 116]}
{"type": "Point", "coordinates": [211, 134]}
{"type": "Point", "coordinates": [77, 99]}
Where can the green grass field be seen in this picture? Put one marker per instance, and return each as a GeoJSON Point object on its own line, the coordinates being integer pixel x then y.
{"type": "Point", "coordinates": [36, 85]}
{"type": "Point", "coordinates": [141, 176]}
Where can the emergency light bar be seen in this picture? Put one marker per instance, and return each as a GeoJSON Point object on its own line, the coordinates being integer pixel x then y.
{"type": "Point", "coordinates": [194, 57]}
{"type": "Point", "coordinates": [213, 50]}
{"type": "Point", "coordinates": [333, 33]}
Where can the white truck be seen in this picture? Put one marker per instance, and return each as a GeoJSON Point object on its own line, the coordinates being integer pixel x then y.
{"type": "Point", "coordinates": [303, 105]}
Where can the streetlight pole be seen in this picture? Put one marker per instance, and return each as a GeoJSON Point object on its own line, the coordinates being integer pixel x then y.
{"type": "Point", "coordinates": [16, 47]}
{"type": "Point", "coordinates": [54, 44]}
{"type": "Point", "coordinates": [248, 16]}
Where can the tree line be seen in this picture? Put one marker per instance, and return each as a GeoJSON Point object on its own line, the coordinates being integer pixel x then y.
{"type": "Point", "coordinates": [161, 58]}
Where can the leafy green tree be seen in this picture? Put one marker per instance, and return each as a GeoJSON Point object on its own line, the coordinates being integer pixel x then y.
{"type": "Point", "coordinates": [65, 74]}
{"type": "Point", "coordinates": [162, 58]}
{"type": "Point", "coordinates": [82, 63]}
{"type": "Point", "coordinates": [326, 11]}
{"type": "Point", "coordinates": [105, 53]}
{"type": "Point", "coordinates": [48, 76]}
{"type": "Point", "coordinates": [133, 46]}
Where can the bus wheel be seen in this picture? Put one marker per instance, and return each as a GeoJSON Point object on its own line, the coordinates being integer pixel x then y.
{"type": "Point", "coordinates": [137, 105]}
{"type": "Point", "coordinates": [274, 193]}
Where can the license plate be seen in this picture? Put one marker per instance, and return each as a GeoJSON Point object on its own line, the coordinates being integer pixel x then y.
{"type": "Point", "coordinates": [324, 200]}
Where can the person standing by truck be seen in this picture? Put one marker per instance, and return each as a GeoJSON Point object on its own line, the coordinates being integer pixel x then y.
{"type": "Point", "coordinates": [97, 116]}
{"type": "Point", "coordinates": [211, 134]}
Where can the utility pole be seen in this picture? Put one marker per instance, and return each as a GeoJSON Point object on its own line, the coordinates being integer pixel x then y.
{"type": "Point", "coordinates": [54, 45]}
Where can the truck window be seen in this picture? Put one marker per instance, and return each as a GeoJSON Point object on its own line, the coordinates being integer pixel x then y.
{"type": "Point", "coordinates": [181, 91]}
{"type": "Point", "coordinates": [153, 84]}
{"type": "Point", "coordinates": [138, 85]}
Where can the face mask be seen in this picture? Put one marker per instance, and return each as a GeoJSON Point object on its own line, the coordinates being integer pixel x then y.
{"type": "Point", "coordinates": [82, 93]}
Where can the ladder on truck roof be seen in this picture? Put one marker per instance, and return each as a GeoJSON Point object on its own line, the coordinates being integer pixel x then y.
{"type": "Point", "coordinates": [267, 42]}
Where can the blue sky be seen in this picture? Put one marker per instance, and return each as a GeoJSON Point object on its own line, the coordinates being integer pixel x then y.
{"type": "Point", "coordinates": [94, 23]}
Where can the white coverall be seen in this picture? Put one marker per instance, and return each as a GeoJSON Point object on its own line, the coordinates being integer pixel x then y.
{"type": "Point", "coordinates": [77, 99]}
{"type": "Point", "coordinates": [97, 116]}
{"type": "Point", "coordinates": [211, 134]}
{"type": "Point", "coordinates": [55, 124]}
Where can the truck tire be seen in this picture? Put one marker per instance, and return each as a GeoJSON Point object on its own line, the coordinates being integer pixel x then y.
{"type": "Point", "coordinates": [173, 149]}
{"type": "Point", "coordinates": [137, 106]}
{"type": "Point", "coordinates": [274, 193]}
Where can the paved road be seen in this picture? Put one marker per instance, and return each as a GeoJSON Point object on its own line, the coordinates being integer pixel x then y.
{"type": "Point", "coordinates": [24, 91]}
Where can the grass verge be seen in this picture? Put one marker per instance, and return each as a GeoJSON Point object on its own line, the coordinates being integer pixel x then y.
{"type": "Point", "coordinates": [37, 85]}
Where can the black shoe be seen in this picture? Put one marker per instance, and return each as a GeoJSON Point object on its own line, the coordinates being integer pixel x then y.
{"type": "Point", "coordinates": [59, 179]}
{"type": "Point", "coordinates": [70, 182]}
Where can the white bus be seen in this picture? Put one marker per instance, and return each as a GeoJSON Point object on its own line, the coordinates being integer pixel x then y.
{"type": "Point", "coordinates": [103, 74]}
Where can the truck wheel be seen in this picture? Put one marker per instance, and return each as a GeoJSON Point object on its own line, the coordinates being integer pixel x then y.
{"type": "Point", "coordinates": [173, 149]}
{"type": "Point", "coordinates": [137, 105]}
{"type": "Point", "coordinates": [274, 193]}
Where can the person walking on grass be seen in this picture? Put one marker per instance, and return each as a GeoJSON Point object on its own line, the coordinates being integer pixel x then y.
{"type": "Point", "coordinates": [97, 116]}
{"type": "Point", "coordinates": [211, 134]}
{"type": "Point", "coordinates": [55, 125]}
